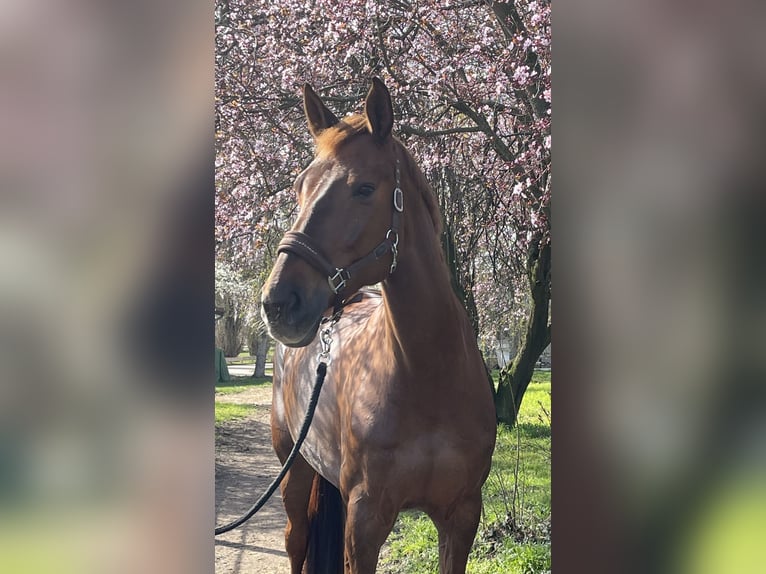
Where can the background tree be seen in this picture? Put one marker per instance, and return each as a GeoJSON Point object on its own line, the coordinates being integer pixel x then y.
{"type": "Point", "coordinates": [237, 292]}
{"type": "Point", "coordinates": [470, 82]}
{"type": "Point", "coordinates": [234, 294]}
{"type": "Point", "coordinates": [258, 340]}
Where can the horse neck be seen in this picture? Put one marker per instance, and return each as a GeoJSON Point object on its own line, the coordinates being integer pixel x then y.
{"type": "Point", "coordinates": [423, 315]}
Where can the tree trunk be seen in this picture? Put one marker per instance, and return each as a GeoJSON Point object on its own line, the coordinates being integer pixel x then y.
{"type": "Point", "coordinates": [462, 284]}
{"type": "Point", "coordinates": [515, 377]}
{"type": "Point", "coordinates": [227, 335]}
{"type": "Point", "coordinates": [262, 344]}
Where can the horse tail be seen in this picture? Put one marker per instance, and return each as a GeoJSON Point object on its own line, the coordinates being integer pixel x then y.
{"type": "Point", "coordinates": [326, 513]}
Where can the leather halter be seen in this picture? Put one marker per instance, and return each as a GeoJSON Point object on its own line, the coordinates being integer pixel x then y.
{"type": "Point", "coordinates": [306, 248]}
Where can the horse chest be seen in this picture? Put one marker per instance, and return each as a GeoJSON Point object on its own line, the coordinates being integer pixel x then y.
{"type": "Point", "coordinates": [404, 445]}
{"type": "Point", "coordinates": [437, 469]}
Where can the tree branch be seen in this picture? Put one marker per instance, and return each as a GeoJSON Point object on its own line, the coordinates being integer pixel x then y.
{"type": "Point", "coordinates": [481, 122]}
{"type": "Point", "coordinates": [415, 131]}
{"type": "Point", "coordinates": [511, 22]}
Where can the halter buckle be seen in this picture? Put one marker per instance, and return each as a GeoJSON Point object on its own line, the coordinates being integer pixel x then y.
{"type": "Point", "coordinates": [398, 199]}
{"type": "Point", "coordinates": [338, 277]}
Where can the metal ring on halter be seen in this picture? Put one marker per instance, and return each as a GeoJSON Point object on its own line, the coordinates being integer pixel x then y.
{"type": "Point", "coordinates": [395, 242]}
{"type": "Point", "coordinates": [398, 199]}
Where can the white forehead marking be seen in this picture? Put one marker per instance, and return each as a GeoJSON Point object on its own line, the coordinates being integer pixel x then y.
{"type": "Point", "coordinates": [330, 174]}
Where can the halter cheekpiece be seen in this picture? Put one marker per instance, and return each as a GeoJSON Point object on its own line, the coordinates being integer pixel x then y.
{"type": "Point", "coordinates": [306, 248]}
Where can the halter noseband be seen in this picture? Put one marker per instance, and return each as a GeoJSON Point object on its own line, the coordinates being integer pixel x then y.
{"type": "Point", "coordinates": [306, 248]}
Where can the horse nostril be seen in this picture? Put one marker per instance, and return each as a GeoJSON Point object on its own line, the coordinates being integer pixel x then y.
{"type": "Point", "coordinates": [272, 310]}
{"type": "Point", "coordinates": [281, 308]}
{"type": "Point", "coordinates": [293, 302]}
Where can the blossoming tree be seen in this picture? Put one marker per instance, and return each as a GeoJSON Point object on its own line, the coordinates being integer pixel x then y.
{"type": "Point", "coordinates": [470, 82]}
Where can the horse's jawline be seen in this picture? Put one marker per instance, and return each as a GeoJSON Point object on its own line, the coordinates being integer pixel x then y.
{"type": "Point", "coordinates": [307, 339]}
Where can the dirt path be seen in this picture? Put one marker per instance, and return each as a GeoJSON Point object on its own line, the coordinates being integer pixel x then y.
{"type": "Point", "coordinates": [245, 464]}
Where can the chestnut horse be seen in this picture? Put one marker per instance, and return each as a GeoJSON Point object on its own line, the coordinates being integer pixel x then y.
{"type": "Point", "coordinates": [405, 418]}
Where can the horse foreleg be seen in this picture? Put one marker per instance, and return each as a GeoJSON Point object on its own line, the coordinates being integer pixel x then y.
{"type": "Point", "coordinates": [368, 523]}
{"type": "Point", "coordinates": [457, 530]}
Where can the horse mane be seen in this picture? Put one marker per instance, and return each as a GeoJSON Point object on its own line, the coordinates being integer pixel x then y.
{"type": "Point", "coordinates": [351, 127]}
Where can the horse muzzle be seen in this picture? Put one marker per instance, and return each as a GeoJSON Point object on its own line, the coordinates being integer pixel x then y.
{"type": "Point", "coordinates": [291, 316]}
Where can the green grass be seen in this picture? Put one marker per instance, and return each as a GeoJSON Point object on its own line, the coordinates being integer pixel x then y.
{"type": "Point", "coordinates": [514, 534]}
{"type": "Point", "coordinates": [241, 359]}
{"type": "Point", "coordinates": [239, 384]}
{"type": "Point", "coordinates": [228, 411]}
{"type": "Point", "coordinates": [245, 358]}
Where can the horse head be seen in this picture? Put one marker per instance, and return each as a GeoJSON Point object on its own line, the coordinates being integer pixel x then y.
{"type": "Point", "coordinates": [347, 233]}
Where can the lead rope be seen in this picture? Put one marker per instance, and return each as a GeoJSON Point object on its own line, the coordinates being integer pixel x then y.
{"type": "Point", "coordinates": [324, 360]}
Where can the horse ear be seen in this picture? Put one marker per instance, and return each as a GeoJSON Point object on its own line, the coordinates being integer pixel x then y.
{"type": "Point", "coordinates": [378, 110]}
{"type": "Point", "coordinates": [318, 116]}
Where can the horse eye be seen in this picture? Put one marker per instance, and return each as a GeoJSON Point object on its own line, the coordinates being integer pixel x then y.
{"type": "Point", "coordinates": [364, 190]}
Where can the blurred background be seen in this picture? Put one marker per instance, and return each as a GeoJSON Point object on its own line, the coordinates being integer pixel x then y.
{"type": "Point", "coordinates": [106, 287]}
{"type": "Point", "coordinates": [660, 351]}
{"type": "Point", "coordinates": [106, 305]}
